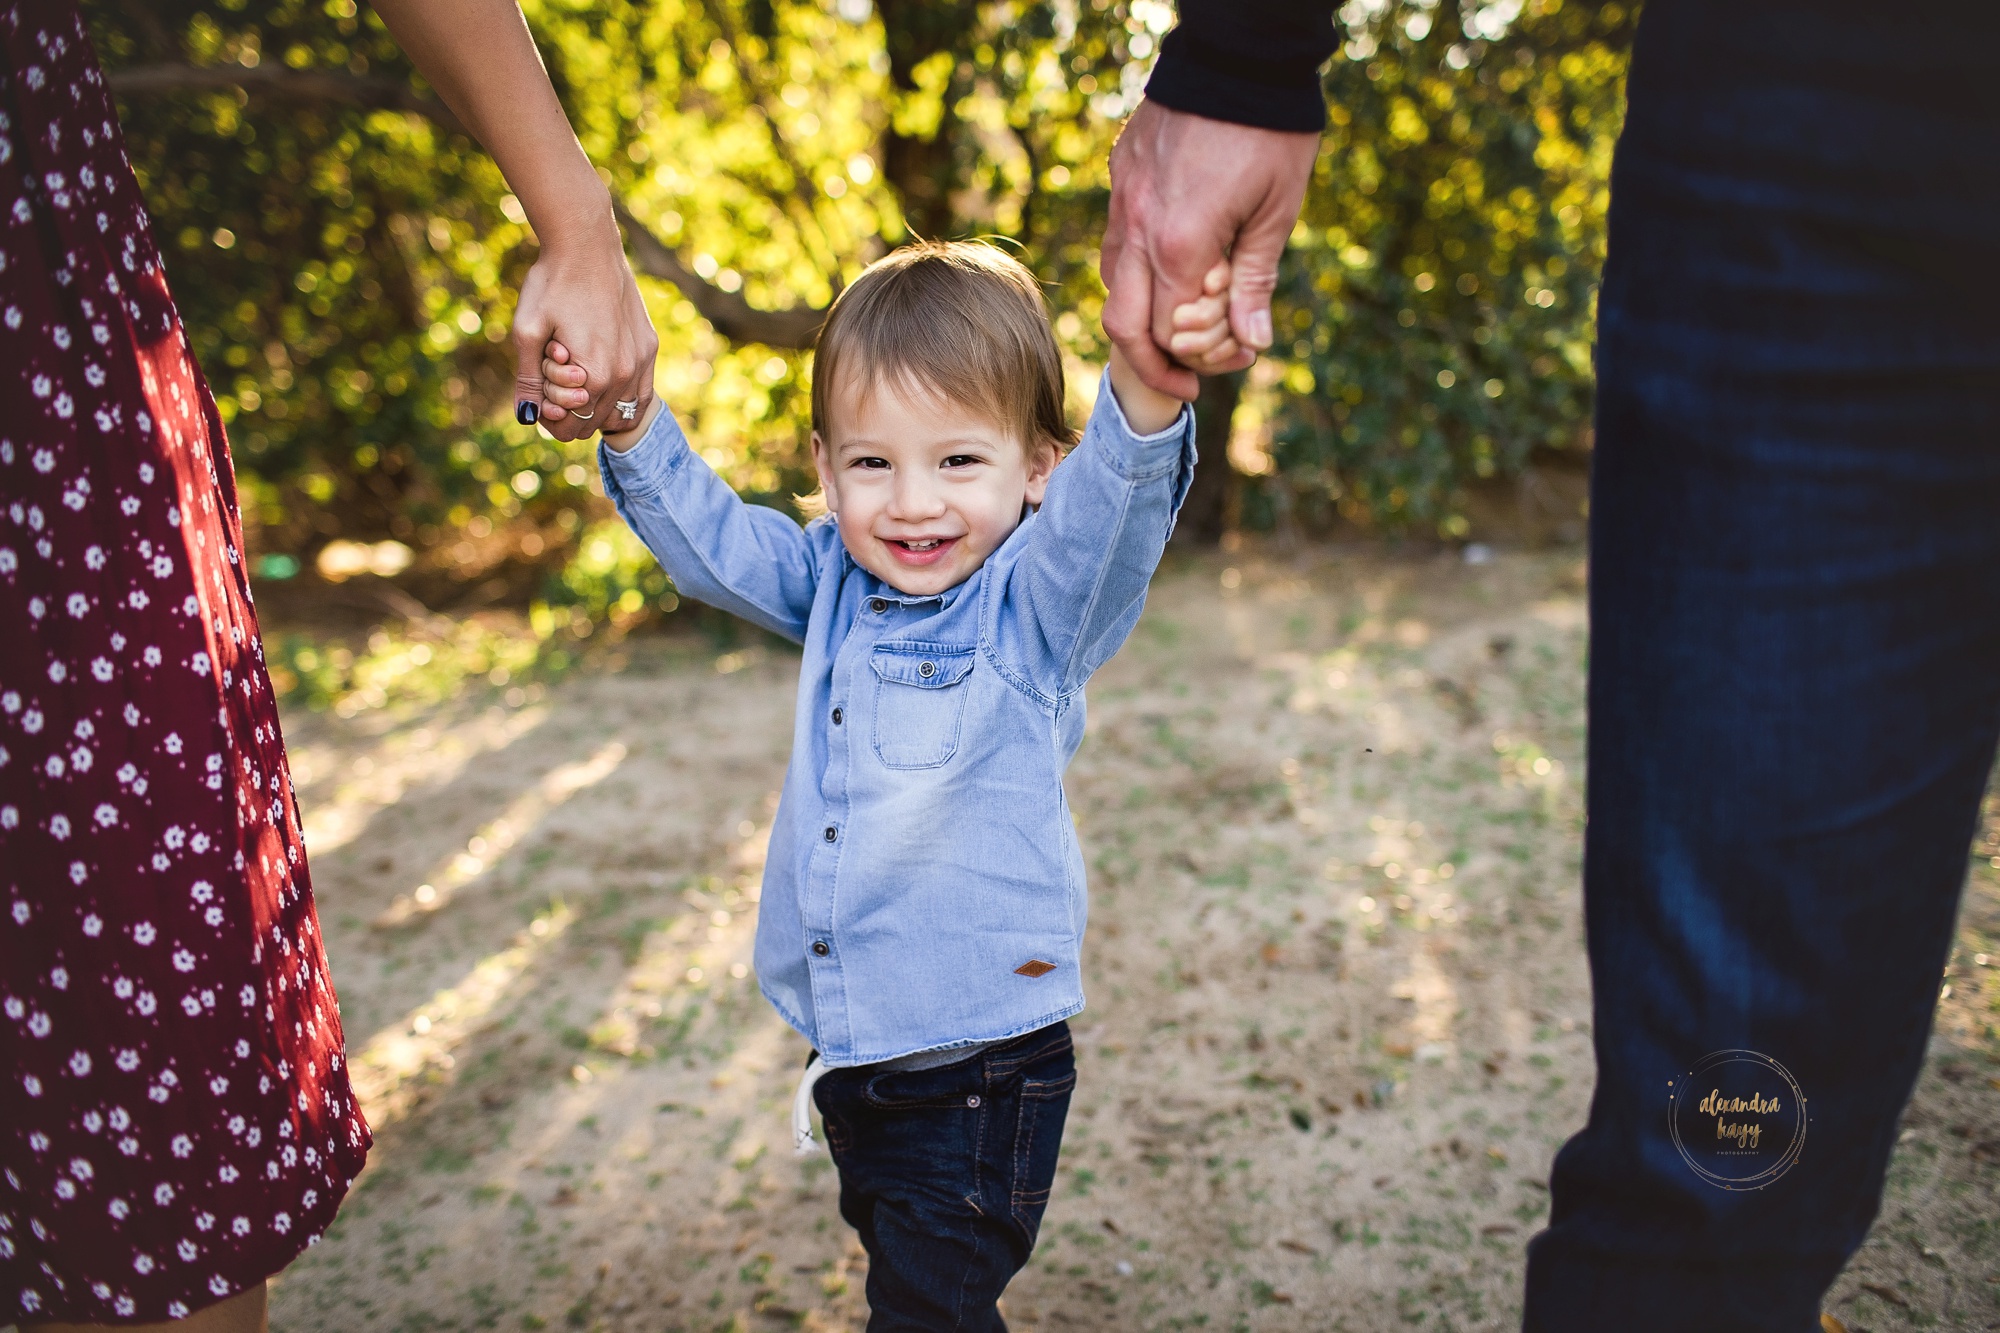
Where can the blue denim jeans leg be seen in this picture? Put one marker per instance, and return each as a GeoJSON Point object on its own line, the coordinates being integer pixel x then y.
{"type": "Point", "coordinates": [1795, 644]}
{"type": "Point", "coordinates": [946, 1172]}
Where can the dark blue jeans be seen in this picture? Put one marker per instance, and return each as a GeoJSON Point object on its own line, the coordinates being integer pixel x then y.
{"type": "Point", "coordinates": [946, 1172]}
{"type": "Point", "coordinates": [1795, 646]}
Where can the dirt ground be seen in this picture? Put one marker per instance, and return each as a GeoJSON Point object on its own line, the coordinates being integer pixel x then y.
{"type": "Point", "coordinates": [1338, 1022]}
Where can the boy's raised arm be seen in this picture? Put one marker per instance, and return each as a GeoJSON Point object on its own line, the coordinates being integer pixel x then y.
{"type": "Point", "coordinates": [745, 559]}
{"type": "Point", "coordinates": [1077, 589]}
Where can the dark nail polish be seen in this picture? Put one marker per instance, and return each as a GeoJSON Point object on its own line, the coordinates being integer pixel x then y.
{"type": "Point", "coordinates": [527, 413]}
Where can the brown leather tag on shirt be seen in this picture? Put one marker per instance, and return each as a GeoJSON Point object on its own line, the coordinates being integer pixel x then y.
{"type": "Point", "coordinates": [1034, 967]}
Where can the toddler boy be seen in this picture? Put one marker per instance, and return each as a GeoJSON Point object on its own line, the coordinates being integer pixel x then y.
{"type": "Point", "coordinates": [923, 902]}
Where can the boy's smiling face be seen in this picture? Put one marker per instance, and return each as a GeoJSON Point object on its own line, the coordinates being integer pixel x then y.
{"type": "Point", "coordinates": [924, 489]}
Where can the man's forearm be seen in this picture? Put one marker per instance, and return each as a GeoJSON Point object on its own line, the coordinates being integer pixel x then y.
{"type": "Point", "coordinates": [1251, 62]}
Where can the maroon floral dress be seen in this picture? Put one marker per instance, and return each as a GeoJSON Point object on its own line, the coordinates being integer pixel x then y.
{"type": "Point", "coordinates": [175, 1117]}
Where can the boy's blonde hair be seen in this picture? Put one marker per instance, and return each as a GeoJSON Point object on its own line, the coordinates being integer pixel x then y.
{"type": "Point", "coordinates": [959, 318]}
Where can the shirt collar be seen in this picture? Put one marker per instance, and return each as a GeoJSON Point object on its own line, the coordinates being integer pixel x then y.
{"type": "Point", "coordinates": [876, 588]}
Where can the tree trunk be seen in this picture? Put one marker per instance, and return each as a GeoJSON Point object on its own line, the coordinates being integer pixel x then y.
{"type": "Point", "coordinates": [924, 170]}
{"type": "Point", "coordinates": [1206, 512]}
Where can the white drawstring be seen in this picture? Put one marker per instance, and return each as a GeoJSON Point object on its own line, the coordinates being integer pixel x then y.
{"type": "Point", "coordinates": [803, 1144]}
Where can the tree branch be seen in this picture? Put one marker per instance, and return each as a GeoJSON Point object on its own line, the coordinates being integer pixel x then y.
{"type": "Point", "coordinates": [364, 91]}
{"type": "Point", "coordinates": [804, 195]}
{"type": "Point", "coordinates": [734, 318]}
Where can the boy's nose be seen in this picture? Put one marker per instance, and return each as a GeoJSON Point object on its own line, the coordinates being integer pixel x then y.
{"type": "Point", "coordinates": [913, 498]}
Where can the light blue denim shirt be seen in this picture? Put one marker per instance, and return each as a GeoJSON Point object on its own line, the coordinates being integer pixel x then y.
{"type": "Point", "coordinates": [924, 888]}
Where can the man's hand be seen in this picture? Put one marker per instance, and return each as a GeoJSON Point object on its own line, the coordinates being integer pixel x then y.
{"type": "Point", "coordinates": [1201, 337]}
{"type": "Point", "coordinates": [1186, 192]}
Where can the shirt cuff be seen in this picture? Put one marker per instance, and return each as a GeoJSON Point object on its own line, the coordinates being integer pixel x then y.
{"type": "Point", "coordinates": [1139, 456]}
{"type": "Point", "coordinates": [1275, 86]}
{"type": "Point", "coordinates": [646, 467]}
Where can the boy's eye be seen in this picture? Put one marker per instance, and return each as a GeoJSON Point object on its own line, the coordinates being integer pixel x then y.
{"type": "Point", "coordinates": [879, 464]}
{"type": "Point", "coordinates": [963, 460]}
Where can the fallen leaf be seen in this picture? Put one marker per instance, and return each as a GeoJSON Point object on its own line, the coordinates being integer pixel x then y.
{"type": "Point", "coordinates": [1498, 1229]}
{"type": "Point", "coordinates": [1112, 1227]}
{"type": "Point", "coordinates": [1296, 1248]}
{"type": "Point", "coordinates": [563, 1197]}
{"type": "Point", "coordinates": [1828, 1324]}
{"type": "Point", "coordinates": [1888, 1294]}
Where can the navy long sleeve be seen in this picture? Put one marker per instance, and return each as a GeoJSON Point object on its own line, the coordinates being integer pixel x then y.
{"type": "Point", "coordinates": [1252, 62]}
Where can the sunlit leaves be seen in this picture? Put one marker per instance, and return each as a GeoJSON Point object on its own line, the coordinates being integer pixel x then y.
{"type": "Point", "coordinates": [347, 273]}
{"type": "Point", "coordinates": [1442, 284]}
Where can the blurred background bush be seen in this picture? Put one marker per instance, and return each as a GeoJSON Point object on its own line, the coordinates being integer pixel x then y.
{"type": "Point", "coordinates": [345, 257]}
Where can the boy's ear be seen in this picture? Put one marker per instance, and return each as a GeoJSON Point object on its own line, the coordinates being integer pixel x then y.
{"type": "Point", "coordinates": [823, 465]}
{"type": "Point", "coordinates": [1042, 460]}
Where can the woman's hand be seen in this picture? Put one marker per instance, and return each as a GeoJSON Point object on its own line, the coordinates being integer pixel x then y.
{"type": "Point", "coordinates": [480, 57]}
{"type": "Point", "coordinates": [580, 298]}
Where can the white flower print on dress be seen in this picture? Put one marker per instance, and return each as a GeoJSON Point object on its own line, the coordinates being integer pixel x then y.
{"type": "Point", "coordinates": [105, 590]}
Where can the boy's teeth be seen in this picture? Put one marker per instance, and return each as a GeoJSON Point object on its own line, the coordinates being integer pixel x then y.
{"type": "Point", "coordinates": [923, 545]}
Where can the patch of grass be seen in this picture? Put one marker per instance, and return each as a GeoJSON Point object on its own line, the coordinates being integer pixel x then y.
{"type": "Point", "coordinates": [447, 1157]}
{"type": "Point", "coordinates": [419, 665]}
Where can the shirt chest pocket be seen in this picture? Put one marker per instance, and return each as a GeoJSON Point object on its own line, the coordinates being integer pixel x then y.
{"type": "Point", "coordinates": [920, 694]}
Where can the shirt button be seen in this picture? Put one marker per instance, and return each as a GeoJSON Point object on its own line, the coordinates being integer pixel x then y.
{"type": "Point", "coordinates": [927, 669]}
{"type": "Point", "coordinates": [838, 717]}
{"type": "Point", "coordinates": [830, 834]}
{"type": "Point", "coordinates": [877, 605]}
{"type": "Point", "coordinates": [819, 947]}
{"type": "Point", "coordinates": [972, 1101]}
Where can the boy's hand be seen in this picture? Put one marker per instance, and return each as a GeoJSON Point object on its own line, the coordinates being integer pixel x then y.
{"type": "Point", "coordinates": [562, 383]}
{"type": "Point", "coordinates": [1202, 340]}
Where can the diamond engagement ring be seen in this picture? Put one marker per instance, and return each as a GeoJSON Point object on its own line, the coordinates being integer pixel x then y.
{"type": "Point", "coordinates": [628, 409]}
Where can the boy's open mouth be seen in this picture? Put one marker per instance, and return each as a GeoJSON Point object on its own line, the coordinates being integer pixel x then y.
{"type": "Point", "coordinates": [921, 551]}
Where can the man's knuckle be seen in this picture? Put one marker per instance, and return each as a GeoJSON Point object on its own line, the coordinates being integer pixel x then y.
{"type": "Point", "coordinates": [1184, 247]}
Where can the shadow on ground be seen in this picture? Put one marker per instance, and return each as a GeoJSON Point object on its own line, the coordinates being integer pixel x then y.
{"type": "Point", "coordinates": [1338, 1014]}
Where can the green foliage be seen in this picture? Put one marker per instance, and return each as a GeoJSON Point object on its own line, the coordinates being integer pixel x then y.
{"type": "Point", "coordinates": [342, 272]}
{"type": "Point", "coordinates": [613, 570]}
{"type": "Point", "coordinates": [420, 668]}
{"type": "Point", "coordinates": [345, 263]}
{"type": "Point", "coordinates": [1441, 287]}
{"type": "Point", "coordinates": [347, 272]}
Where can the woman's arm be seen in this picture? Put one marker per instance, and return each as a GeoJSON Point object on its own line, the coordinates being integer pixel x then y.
{"type": "Point", "coordinates": [480, 57]}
